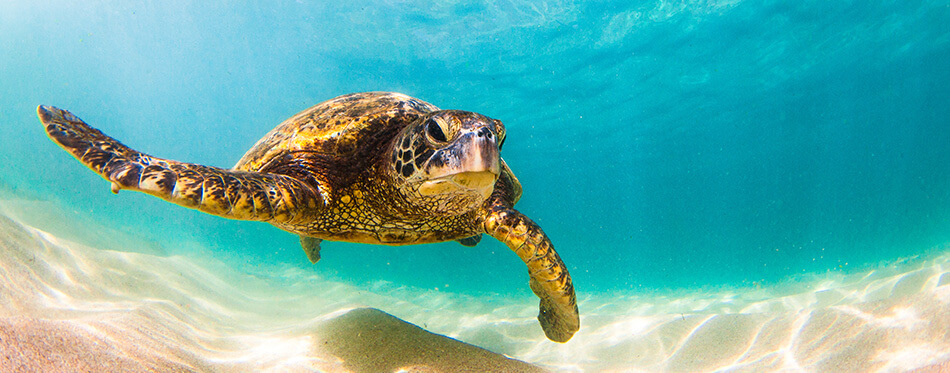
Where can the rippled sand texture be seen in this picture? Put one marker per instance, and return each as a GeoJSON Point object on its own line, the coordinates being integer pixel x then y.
{"type": "Point", "coordinates": [859, 323]}
{"type": "Point", "coordinates": [66, 305]}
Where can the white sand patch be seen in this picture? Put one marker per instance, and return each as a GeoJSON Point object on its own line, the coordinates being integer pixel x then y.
{"type": "Point", "coordinates": [196, 313]}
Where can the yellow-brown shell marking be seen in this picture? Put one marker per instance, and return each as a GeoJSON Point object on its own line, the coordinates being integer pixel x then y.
{"type": "Point", "coordinates": [339, 127]}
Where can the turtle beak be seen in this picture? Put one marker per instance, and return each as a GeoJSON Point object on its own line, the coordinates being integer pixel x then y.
{"type": "Point", "coordinates": [471, 163]}
{"type": "Point", "coordinates": [481, 152]}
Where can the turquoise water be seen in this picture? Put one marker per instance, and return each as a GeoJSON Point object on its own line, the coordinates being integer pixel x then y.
{"type": "Point", "coordinates": [662, 145]}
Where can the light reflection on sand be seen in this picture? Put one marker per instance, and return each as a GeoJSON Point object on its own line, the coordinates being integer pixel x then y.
{"type": "Point", "coordinates": [135, 310]}
{"type": "Point", "coordinates": [861, 322]}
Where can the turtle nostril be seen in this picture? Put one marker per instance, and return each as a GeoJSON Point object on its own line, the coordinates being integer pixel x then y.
{"type": "Point", "coordinates": [484, 132]}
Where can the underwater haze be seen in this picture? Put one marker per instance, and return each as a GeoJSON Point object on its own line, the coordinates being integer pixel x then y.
{"type": "Point", "coordinates": [666, 147]}
{"type": "Point", "coordinates": [660, 144]}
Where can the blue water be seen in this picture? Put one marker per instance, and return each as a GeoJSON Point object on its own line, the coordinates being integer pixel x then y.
{"type": "Point", "coordinates": [661, 144]}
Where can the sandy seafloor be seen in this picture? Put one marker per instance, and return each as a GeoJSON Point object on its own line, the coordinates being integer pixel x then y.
{"type": "Point", "coordinates": [69, 306]}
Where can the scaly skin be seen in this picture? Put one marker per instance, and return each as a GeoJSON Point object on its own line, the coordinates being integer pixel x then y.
{"type": "Point", "coordinates": [231, 194]}
{"type": "Point", "coordinates": [549, 278]}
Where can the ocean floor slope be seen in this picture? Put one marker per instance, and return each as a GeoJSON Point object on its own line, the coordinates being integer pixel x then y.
{"type": "Point", "coordinates": [68, 306]}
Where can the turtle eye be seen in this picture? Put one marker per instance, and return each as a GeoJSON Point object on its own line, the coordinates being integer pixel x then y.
{"type": "Point", "coordinates": [500, 129]}
{"type": "Point", "coordinates": [435, 131]}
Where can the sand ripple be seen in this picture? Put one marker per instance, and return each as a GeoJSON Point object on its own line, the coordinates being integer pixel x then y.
{"type": "Point", "coordinates": [135, 311]}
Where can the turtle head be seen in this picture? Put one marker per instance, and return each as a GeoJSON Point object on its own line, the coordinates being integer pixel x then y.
{"type": "Point", "coordinates": [449, 159]}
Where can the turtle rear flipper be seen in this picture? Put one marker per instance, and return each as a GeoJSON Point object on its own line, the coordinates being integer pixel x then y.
{"type": "Point", "coordinates": [550, 280]}
{"type": "Point", "coordinates": [231, 194]}
{"type": "Point", "coordinates": [311, 246]}
{"type": "Point", "coordinates": [470, 241]}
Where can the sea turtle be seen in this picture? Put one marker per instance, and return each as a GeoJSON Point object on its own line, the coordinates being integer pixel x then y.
{"type": "Point", "coordinates": [377, 167]}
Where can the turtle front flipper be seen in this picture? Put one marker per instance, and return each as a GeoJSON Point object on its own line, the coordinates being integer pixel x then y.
{"type": "Point", "coordinates": [550, 280]}
{"type": "Point", "coordinates": [231, 194]}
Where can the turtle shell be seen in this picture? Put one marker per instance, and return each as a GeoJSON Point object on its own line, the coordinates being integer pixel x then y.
{"type": "Point", "coordinates": [340, 138]}
{"type": "Point", "coordinates": [339, 128]}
